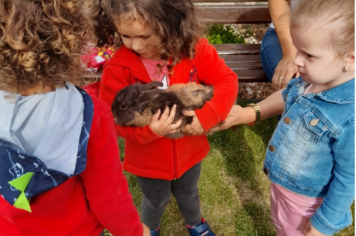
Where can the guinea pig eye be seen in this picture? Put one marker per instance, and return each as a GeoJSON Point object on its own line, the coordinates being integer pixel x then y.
{"type": "Point", "coordinates": [122, 107]}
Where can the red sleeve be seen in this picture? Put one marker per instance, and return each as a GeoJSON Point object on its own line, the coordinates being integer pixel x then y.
{"type": "Point", "coordinates": [212, 70]}
{"type": "Point", "coordinates": [105, 184]}
{"type": "Point", "coordinates": [92, 89]}
{"type": "Point", "coordinates": [114, 79]}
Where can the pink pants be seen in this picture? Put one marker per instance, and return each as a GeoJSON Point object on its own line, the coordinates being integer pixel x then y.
{"type": "Point", "coordinates": [290, 211]}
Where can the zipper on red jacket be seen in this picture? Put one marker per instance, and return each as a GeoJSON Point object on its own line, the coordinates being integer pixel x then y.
{"type": "Point", "coordinates": [174, 147]}
{"type": "Point", "coordinates": [174, 159]}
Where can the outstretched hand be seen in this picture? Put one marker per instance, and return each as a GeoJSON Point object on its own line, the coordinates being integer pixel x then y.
{"type": "Point", "coordinates": [163, 125]}
{"type": "Point", "coordinates": [238, 115]}
{"type": "Point", "coordinates": [195, 128]}
{"type": "Point", "coordinates": [234, 118]}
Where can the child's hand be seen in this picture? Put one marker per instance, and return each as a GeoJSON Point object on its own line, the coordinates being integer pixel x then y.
{"type": "Point", "coordinates": [195, 128]}
{"type": "Point", "coordinates": [235, 117]}
{"type": "Point", "coordinates": [311, 231]}
{"type": "Point", "coordinates": [164, 125]}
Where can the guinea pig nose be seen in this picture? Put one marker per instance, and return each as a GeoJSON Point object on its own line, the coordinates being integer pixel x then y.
{"type": "Point", "coordinates": [123, 107]}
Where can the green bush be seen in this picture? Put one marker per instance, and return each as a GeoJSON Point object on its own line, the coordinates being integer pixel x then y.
{"type": "Point", "coordinates": [220, 34]}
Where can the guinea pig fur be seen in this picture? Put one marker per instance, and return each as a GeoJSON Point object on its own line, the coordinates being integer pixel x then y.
{"type": "Point", "coordinates": [135, 104]}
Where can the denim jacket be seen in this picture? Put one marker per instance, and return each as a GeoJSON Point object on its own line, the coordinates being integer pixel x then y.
{"type": "Point", "coordinates": [312, 151]}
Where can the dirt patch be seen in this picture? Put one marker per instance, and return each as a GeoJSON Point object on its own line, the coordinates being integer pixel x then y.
{"type": "Point", "coordinates": [253, 34]}
{"type": "Point", "coordinates": [251, 91]}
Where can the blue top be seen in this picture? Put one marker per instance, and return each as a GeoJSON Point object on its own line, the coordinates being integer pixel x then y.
{"type": "Point", "coordinates": [312, 151]}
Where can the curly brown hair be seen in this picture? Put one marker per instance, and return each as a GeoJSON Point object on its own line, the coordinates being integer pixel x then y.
{"type": "Point", "coordinates": [41, 42]}
{"type": "Point", "coordinates": [172, 21]}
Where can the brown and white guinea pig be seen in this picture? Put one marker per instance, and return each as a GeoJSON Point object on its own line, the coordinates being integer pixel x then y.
{"type": "Point", "coordinates": [135, 104]}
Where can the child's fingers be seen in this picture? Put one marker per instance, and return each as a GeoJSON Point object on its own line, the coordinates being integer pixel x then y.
{"type": "Point", "coordinates": [172, 114]}
{"type": "Point", "coordinates": [218, 127]}
{"type": "Point", "coordinates": [176, 127]}
{"type": "Point", "coordinates": [188, 129]}
{"type": "Point", "coordinates": [156, 116]}
{"type": "Point", "coordinates": [165, 113]}
{"type": "Point", "coordinates": [177, 124]}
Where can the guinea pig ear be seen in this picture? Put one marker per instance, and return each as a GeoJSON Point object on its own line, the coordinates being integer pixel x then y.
{"type": "Point", "coordinates": [152, 85]}
{"type": "Point", "coordinates": [141, 100]}
{"type": "Point", "coordinates": [149, 95]}
{"type": "Point", "coordinates": [147, 98]}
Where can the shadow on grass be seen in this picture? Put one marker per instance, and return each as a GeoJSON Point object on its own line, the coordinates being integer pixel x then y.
{"type": "Point", "coordinates": [243, 149]}
{"type": "Point", "coordinates": [259, 214]}
{"type": "Point", "coordinates": [241, 154]}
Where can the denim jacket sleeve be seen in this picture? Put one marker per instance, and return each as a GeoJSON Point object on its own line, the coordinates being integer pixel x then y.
{"type": "Point", "coordinates": [334, 214]}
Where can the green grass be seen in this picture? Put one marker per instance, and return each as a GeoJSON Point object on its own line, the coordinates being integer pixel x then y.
{"type": "Point", "coordinates": [233, 189]}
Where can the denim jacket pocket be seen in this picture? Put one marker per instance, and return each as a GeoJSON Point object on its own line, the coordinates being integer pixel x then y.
{"type": "Point", "coordinates": [308, 131]}
{"type": "Point", "coordinates": [302, 168]}
{"type": "Point", "coordinates": [311, 128]}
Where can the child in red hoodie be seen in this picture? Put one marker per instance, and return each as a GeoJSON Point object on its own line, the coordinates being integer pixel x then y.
{"type": "Point", "coordinates": [159, 40]}
{"type": "Point", "coordinates": [60, 172]}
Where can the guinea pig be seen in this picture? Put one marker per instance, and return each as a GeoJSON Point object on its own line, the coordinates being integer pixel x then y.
{"type": "Point", "coordinates": [135, 104]}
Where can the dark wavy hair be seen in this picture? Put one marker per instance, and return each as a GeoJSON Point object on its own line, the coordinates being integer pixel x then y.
{"type": "Point", "coordinates": [172, 21]}
{"type": "Point", "coordinates": [41, 42]}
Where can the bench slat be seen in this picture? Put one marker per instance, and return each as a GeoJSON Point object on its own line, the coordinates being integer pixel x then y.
{"type": "Point", "coordinates": [96, 75]}
{"type": "Point", "coordinates": [241, 58]}
{"type": "Point", "coordinates": [245, 66]}
{"type": "Point", "coordinates": [249, 76]}
{"type": "Point", "coordinates": [248, 62]}
{"type": "Point", "coordinates": [238, 49]}
{"type": "Point", "coordinates": [244, 75]}
{"type": "Point", "coordinates": [232, 14]}
{"type": "Point", "coordinates": [215, 1]}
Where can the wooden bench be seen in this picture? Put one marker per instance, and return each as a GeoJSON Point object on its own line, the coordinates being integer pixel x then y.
{"type": "Point", "coordinates": [243, 59]}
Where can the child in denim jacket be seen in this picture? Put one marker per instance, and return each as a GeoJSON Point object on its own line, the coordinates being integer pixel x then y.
{"type": "Point", "coordinates": [310, 158]}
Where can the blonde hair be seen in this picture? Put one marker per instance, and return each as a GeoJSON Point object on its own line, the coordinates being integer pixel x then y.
{"type": "Point", "coordinates": [41, 42]}
{"type": "Point", "coordinates": [335, 16]}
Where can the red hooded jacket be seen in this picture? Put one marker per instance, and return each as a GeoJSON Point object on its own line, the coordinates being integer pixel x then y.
{"type": "Point", "coordinates": [152, 156]}
{"type": "Point", "coordinates": [86, 203]}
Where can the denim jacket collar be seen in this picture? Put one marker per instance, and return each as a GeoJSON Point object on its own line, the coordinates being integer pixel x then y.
{"type": "Point", "coordinates": [342, 94]}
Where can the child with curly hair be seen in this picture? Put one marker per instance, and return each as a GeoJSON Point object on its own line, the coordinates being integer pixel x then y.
{"type": "Point", "coordinates": [310, 158]}
{"type": "Point", "coordinates": [160, 40]}
{"type": "Point", "coordinates": [60, 171]}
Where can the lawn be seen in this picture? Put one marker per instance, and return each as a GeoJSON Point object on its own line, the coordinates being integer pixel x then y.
{"type": "Point", "coordinates": [233, 189]}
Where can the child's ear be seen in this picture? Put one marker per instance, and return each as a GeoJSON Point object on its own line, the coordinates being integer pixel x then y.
{"type": "Point", "coordinates": [350, 62]}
